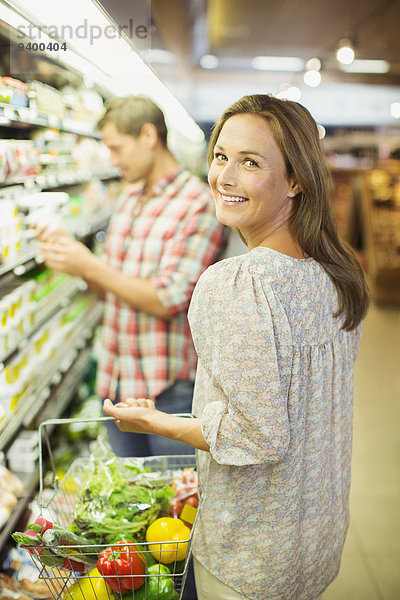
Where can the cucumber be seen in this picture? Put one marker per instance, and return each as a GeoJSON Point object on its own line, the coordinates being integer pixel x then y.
{"type": "Point", "coordinates": [65, 543]}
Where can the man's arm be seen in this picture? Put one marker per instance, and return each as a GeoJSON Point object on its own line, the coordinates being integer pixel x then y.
{"type": "Point", "coordinates": [69, 256]}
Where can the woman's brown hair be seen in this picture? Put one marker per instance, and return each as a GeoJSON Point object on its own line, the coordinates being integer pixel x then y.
{"type": "Point", "coordinates": [313, 222]}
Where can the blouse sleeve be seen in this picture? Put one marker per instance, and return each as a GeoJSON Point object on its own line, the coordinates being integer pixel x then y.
{"type": "Point", "coordinates": [243, 341]}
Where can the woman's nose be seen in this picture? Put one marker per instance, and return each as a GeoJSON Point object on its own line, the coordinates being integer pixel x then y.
{"type": "Point", "coordinates": [227, 175]}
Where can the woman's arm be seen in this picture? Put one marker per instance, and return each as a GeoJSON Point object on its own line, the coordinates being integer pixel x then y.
{"type": "Point", "coordinates": [141, 416]}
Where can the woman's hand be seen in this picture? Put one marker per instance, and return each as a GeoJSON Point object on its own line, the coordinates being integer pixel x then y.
{"type": "Point", "coordinates": [141, 416]}
{"type": "Point", "coordinates": [131, 415]}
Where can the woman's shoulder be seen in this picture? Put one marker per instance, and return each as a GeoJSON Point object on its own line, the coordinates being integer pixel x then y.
{"type": "Point", "coordinates": [227, 271]}
{"type": "Point", "coordinates": [231, 281]}
{"type": "Point", "coordinates": [265, 263]}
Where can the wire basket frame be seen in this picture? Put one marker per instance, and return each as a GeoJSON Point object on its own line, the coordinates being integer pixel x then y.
{"type": "Point", "coordinates": [57, 505]}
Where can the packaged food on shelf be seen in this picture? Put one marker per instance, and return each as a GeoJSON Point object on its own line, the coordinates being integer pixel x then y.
{"type": "Point", "coordinates": [21, 581]}
{"type": "Point", "coordinates": [17, 314]}
{"type": "Point", "coordinates": [49, 347]}
{"type": "Point", "coordinates": [18, 158]}
{"type": "Point", "coordinates": [15, 91]}
{"type": "Point", "coordinates": [42, 210]}
{"type": "Point", "coordinates": [11, 481]}
{"type": "Point", "coordinates": [82, 105]}
{"type": "Point", "coordinates": [11, 488]}
{"type": "Point", "coordinates": [23, 454]}
{"type": "Point", "coordinates": [5, 93]}
{"type": "Point", "coordinates": [11, 227]}
{"type": "Point", "coordinates": [47, 98]}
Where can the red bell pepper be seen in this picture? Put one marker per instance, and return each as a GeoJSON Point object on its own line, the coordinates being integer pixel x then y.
{"type": "Point", "coordinates": [122, 565]}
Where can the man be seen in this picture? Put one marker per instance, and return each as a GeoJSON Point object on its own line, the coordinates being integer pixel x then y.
{"type": "Point", "coordinates": [162, 236]}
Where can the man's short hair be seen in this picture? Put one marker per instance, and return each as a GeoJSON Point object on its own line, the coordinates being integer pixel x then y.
{"type": "Point", "coordinates": [129, 114]}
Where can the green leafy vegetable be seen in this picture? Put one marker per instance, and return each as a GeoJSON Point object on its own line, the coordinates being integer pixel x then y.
{"type": "Point", "coordinates": [118, 499]}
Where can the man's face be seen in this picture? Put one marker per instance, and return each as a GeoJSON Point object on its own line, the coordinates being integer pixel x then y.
{"type": "Point", "coordinates": [132, 155]}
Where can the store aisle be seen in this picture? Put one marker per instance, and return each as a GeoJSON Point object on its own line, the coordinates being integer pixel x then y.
{"type": "Point", "coordinates": [370, 565]}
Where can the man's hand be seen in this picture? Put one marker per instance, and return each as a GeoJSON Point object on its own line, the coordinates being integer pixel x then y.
{"type": "Point", "coordinates": [44, 233]}
{"type": "Point", "coordinates": [130, 415]}
{"type": "Point", "coordinates": [65, 255]}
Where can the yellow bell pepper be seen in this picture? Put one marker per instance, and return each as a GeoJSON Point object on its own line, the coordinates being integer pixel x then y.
{"type": "Point", "coordinates": [167, 529]}
{"type": "Point", "coordinates": [92, 587]}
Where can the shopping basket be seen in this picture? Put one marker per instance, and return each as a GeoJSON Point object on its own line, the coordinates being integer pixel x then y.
{"type": "Point", "coordinates": [57, 505]}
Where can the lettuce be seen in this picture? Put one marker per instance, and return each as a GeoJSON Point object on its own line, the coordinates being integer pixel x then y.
{"type": "Point", "coordinates": [118, 500]}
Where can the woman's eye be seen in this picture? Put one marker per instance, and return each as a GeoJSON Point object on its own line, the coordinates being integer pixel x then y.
{"type": "Point", "coordinates": [250, 162]}
{"type": "Point", "coordinates": [219, 156]}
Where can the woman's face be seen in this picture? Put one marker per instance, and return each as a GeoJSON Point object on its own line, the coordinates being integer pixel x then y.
{"type": "Point", "coordinates": [248, 178]}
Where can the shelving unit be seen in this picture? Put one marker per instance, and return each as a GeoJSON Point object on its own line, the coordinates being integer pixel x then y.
{"type": "Point", "coordinates": [381, 224]}
{"type": "Point", "coordinates": [50, 390]}
{"type": "Point", "coordinates": [22, 116]}
{"type": "Point", "coordinates": [368, 217]}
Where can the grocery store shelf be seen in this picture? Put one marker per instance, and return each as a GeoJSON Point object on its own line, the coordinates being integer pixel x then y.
{"type": "Point", "coordinates": [23, 116]}
{"type": "Point", "coordinates": [56, 179]}
{"type": "Point", "coordinates": [45, 310]}
{"type": "Point", "coordinates": [64, 392]}
{"type": "Point", "coordinates": [31, 485]}
{"type": "Point", "coordinates": [61, 397]}
{"type": "Point", "coordinates": [52, 372]}
{"type": "Point", "coordinates": [28, 259]}
{"type": "Point", "coordinates": [21, 265]}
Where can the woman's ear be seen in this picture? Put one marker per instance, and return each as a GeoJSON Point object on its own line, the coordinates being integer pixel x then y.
{"type": "Point", "coordinates": [294, 189]}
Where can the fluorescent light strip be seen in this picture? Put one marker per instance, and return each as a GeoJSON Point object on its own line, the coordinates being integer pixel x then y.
{"type": "Point", "coordinates": [366, 66]}
{"type": "Point", "coordinates": [116, 66]}
{"type": "Point", "coordinates": [12, 18]}
{"type": "Point", "coordinates": [277, 63]}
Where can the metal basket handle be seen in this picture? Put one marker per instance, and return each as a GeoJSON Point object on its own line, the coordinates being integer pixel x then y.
{"type": "Point", "coordinates": [44, 438]}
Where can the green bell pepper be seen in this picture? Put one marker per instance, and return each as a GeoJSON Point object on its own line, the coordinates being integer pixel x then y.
{"type": "Point", "coordinates": [159, 586]}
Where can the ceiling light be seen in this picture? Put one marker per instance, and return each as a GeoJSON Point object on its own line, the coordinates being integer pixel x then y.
{"type": "Point", "coordinates": [292, 93]}
{"type": "Point", "coordinates": [101, 53]}
{"type": "Point", "coordinates": [395, 110]}
{"type": "Point", "coordinates": [345, 53]}
{"type": "Point", "coordinates": [366, 66]}
{"type": "Point", "coordinates": [162, 57]}
{"type": "Point", "coordinates": [209, 61]}
{"type": "Point", "coordinates": [312, 78]}
{"type": "Point", "coordinates": [277, 63]}
{"type": "Point", "coordinates": [314, 64]}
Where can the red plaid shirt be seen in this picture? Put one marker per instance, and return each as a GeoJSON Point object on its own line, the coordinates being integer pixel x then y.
{"type": "Point", "coordinates": [174, 238]}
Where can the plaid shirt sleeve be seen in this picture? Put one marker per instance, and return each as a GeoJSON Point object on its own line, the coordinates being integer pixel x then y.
{"type": "Point", "coordinates": [197, 245]}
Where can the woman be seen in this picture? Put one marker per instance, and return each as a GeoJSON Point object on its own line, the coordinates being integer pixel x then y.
{"type": "Point", "coordinates": [277, 332]}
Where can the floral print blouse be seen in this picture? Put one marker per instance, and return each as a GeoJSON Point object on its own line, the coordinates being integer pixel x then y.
{"type": "Point", "coordinates": [274, 391]}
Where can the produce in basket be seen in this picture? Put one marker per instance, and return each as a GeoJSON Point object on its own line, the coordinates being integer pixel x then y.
{"type": "Point", "coordinates": [184, 505]}
{"type": "Point", "coordinates": [122, 566]}
{"type": "Point", "coordinates": [173, 533]}
{"type": "Point", "coordinates": [118, 497]}
{"type": "Point", "coordinates": [66, 543]}
{"type": "Point", "coordinates": [159, 585]}
{"type": "Point", "coordinates": [92, 587]}
{"type": "Point", "coordinates": [35, 538]}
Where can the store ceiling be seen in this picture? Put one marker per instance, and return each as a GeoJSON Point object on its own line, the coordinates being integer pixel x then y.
{"type": "Point", "coordinates": [235, 31]}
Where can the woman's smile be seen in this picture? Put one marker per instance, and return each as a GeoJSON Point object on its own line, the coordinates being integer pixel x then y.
{"type": "Point", "coordinates": [234, 200]}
